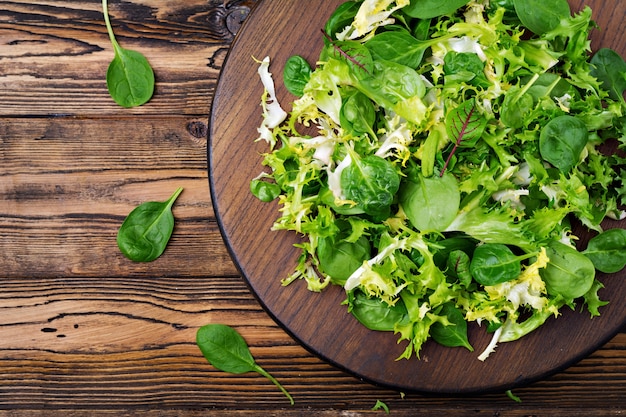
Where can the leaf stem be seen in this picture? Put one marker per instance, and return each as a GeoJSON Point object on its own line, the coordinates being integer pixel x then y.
{"type": "Point", "coordinates": [266, 374]}
{"type": "Point", "coordinates": [172, 199]}
{"type": "Point", "coordinates": [107, 21]}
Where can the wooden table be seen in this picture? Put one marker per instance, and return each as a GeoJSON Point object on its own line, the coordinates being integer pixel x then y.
{"type": "Point", "coordinates": [84, 331]}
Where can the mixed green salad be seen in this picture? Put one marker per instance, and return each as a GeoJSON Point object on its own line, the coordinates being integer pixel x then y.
{"type": "Point", "coordinates": [438, 158]}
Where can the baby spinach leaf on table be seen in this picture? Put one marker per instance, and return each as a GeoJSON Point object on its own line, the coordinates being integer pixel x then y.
{"type": "Point", "coordinates": [227, 351]}
{"type": "Point", "coordinates": [569, 273]}
{"type": "Point", "coordinates": [296, 74]}
{"type": "Point", "coordinates": [610, 69]}
{"type": "Point", "coordinates": [607, 250]}
{"type": "Point", "coordinates": [145, 232]}
{"type": "Point", "coordinates": [264, 191]}
{"type": "Point", "coordinates": [430, 203]}
{"type": "Point", "coordinates": [130, 78]}
{"type": "Point", "coordinates": [562, 140]}
{"type": "Point", "coordinates": [425, 9]}
{"type": "Point", "coordinates": [453, 334]}
{"type": "Point", "coordinates": [541, 16]}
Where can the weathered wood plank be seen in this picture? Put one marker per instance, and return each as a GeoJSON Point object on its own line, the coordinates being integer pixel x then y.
{"type": "Point", "coordinates": [68, 183]}
{"type": "Point", "coordinates": [54, 55]}
{"type": "Point", "coordinates": [124, 342]}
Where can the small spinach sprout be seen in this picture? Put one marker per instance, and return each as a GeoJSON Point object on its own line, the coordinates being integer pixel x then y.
{"type": "Point", "coordinates": [380, 406]}
{"type": "Point", "coordinates": [512, 396]}
{"type": "Point", "coordinates": [145, 232]}
{"type": "Point", "coordinates": [227, 351]}
{"type": "Point", "coordinates": [130, 78]}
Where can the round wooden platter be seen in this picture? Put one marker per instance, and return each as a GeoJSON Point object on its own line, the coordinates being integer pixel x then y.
{"type": "Point", "coordinates": [279, 29]}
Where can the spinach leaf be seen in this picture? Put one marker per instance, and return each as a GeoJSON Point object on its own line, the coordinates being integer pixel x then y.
{"type": "Point", "coordinates": [430, 203]}
{"type": "Point", "coordinates": [607, 250]}
{"type": "Point", "coordinates": [358, 115]}
{"type": "Point", "coordinates": [494, 263]}
{"type": "Point", "coordinates": [145, 232]}
{"type": "Point", "coordinates": [296, 74]}
{"type": "Point", "coordinates": [399, 46]}
{"type": "Point", "coordinates": [569, 273]}
{"type": "Point", "coordinates": [425, 9]}
{"type": "Point", "coordinates": [130, 79]}
{"type": "Point", "coordinates": [341, 17]}
{"type": "Point", "coordinates": [541, 16]}
{"type": "Point", "coordinates": [610, 69]}
{"type": "Point", "coordinates": [371, 182]}
{"type": "Point", "coordinates": [562, 140]}
{"type": "Point", "coordinates": [339, 258]}
{"type": "Point", "coordinates": [466, 67]}
{"type": "Point", "coordinates": [453, 334]}
{"type": "Point", "coordinates": [392, 82]}
{"type": "Point", "coordinates": [227, 351]}
{"type": "Point", "coordinates": [374, 313]}
{"type": "Point", "coordinates": [264, 191]}
{"type": "Point", "coordinates": [515, 107]}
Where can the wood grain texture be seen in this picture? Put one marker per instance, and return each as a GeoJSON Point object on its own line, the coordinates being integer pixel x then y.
{"type": "Point", "coordinates": [85, 332]}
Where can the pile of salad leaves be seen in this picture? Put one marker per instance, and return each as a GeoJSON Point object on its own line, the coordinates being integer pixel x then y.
{"type": "Point", "coordinates": [437, 157]}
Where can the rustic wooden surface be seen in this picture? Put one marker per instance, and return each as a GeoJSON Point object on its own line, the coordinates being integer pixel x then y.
{"type": "Point", "coordinates": [83, 331]}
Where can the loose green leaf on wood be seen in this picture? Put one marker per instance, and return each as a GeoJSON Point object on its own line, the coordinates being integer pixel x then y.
{"type": "Point", "coordinates": [144, 234]}
{"type": "Point", "coordinates": [227, 351]}
{"type": "Point", "coordinates": [130, 78]}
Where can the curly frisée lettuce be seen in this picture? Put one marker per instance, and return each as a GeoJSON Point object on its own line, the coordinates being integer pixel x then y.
{"type": "Point", "coordinates": [454, 149]}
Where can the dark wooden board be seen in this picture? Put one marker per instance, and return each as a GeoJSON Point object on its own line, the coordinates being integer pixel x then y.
{"type": "Point", "coordinates": [279, 29]}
